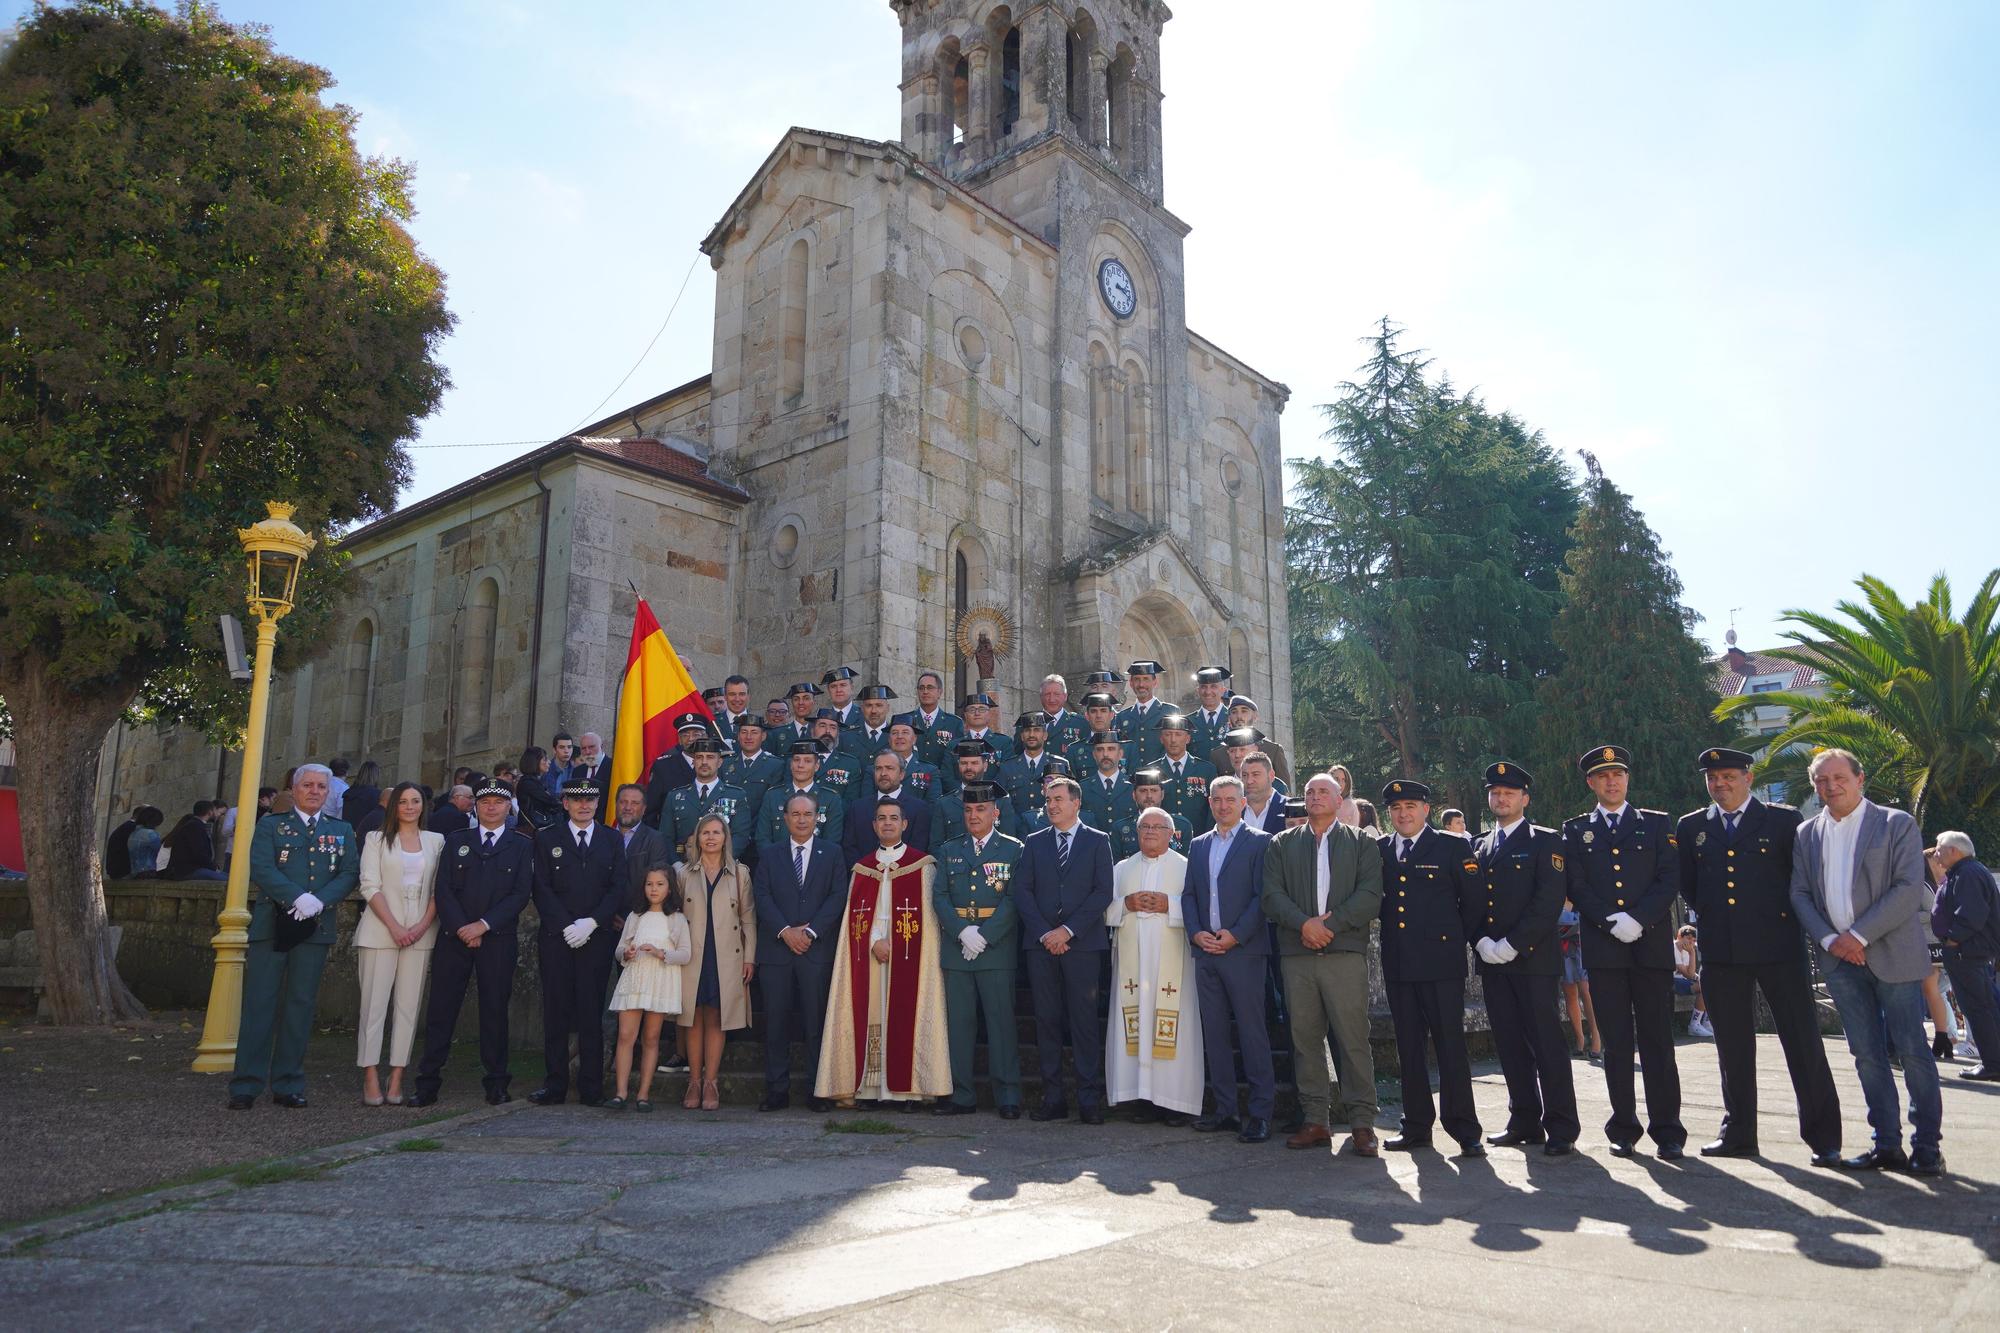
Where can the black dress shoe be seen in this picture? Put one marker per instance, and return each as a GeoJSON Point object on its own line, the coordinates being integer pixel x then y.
{"type": "Point", "coordinates": [1621, 1150]}
{"type": "Point", "coordinates": [291, 1101]}
{"type": "Point", "coordinates": [775, 1101]}
{"type": "Point", "coordinates": [1878, 1159]}
{"type": "Point", "coordinates": [1091, 1115]}
{"type": "Point", "coordinates": [1049, 1111]}
{"type": "Point", "coordinates": [1980, 1075]}
{"type": "Point", "coordinates": [1217, 1124]}
{"type": "Point", "coordinates": [497, 1097]}
{"type": "Point", "coordinates": [1830, 1160]}
{"type": "Point", "coordinates": [1724, 1148]}
{"type": "Point", "coordinates": [1557, 1148]}
{"type": "Point", "coordinates": [1255, 1130]}
{"type": "Point", "coordinates": [1671, 1152]}
{"type": "Point", "coordinates": [820, 1105]}
{"type": "Point", "coordinates": [1471, 1148]}
{"type": "Point", "coordinates": [1929, 1163]}
{"type": "Point", "coordinates": [546, 1097]}
{"type": "Point", "coordinates": [239, 1102]}
{"type": "Point", "coordinates": [954, 1108]}
{"type": "Point", "coordinates": [1513, 1139]}
{"type": "Point", "coordinates": [1009, 1113]}
{"type": "Point", "coordinates": [1406, 1142]}
{"type": "Point", "coordinates": [425, 1099]}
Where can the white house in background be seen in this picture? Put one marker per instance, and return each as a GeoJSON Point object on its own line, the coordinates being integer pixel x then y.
{"type": "Point", "coordinates": [1738, 672]}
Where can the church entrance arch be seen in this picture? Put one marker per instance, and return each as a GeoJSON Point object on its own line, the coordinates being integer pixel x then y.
{"type": "Point", "coordinates": [1157, 626]}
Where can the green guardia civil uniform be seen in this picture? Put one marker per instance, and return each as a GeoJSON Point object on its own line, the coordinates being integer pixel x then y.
{"type": "Point", "coordinates": [755, 776]}
{"type": "Point", "coordinates": [1125, 838]}
{"type": "Point", "coordinates": [771, 816]}
{"type": "Point", "coordinates": [948, 817]}
{"type": "Point", "coordinates": [1139, 727]}
{"type": "Point", "coordinates": [844, 771]}
{"type": "Point", "coordinates": [290, 854]}
{"type": "Point", "coordinates": [975, 888]}
{"type": "Point", "coordinates": [1184, 794]}
{"type": "Point", "coordinates": [685, 807]}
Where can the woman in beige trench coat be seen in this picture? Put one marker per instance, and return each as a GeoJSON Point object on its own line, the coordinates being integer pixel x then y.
{"type": "Point", "coordinates": [722, 924]}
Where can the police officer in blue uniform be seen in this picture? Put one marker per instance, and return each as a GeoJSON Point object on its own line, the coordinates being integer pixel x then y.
{"type": "Point", "coordinates": [1433, 901]}
{"type": "Point", "coordinates": [1735, 864]}
{"type": "Point", "coordinates": [674, 769]}
{"type": "Point", "coordinates": [1519, 963]}
{"type": "Point", "coordinates": [579, 875]}
{"type": "Point", "coordinates": [301, 863]}
{"type": "Point", "coordinates": [1623, 872]}
{"type": "Point", "coordinates": [485, 881]}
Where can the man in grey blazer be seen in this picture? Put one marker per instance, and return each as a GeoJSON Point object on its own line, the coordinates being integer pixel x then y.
{"type": "Point", "coordinates": [1858, 888]}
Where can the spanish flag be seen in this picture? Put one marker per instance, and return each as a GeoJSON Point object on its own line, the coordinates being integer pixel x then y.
{"type": "Point", "coordinates": [656, 690]}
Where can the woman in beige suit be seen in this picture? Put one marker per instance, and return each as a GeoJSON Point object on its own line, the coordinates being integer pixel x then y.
{"type": "Point", "coordinates": [399, 865]}
{"type": "Point", "coordinates": [722, 923]}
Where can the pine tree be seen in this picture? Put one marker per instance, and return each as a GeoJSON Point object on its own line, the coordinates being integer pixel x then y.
{"type": "Point", "coordinates": [1633, 672]}
{"type": "Point", "coordinates": [1424, 559]}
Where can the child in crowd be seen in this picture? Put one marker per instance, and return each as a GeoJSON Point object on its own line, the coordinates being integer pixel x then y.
{"type": "Point", "coordinates": [1687, 979]}
{"type": "Point", "coordinates": [653, 947]}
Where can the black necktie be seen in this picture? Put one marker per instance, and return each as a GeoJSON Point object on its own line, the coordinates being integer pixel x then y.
{"type": "Point", "coordinates": [1729, 826]}
{"type": "Point", "coordinates": [1611, 823]}
{"type": "Point", "coordinates": [1402, 849]}
{"type": "Point", "coordinates": [1062, 852]}
{"type": "Point", "coordinates": [582, 841]}
{"type": "Point", "coordinates": [489, 841]}
{"type": "Point", "coordinates": [704, 791]}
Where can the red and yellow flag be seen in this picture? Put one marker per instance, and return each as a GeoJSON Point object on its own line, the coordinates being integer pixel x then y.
{"type": "Point", "coordinates": [657, 689]}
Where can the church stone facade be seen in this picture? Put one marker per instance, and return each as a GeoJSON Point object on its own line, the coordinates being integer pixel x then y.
{"type": "Point", "coordinates": [950, 372]}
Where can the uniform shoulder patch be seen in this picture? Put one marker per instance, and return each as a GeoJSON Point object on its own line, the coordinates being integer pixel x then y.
{"type": "Point", "coordinates": [1556, 859]}
{"type": "Point", "coordinates": [1471, 867]}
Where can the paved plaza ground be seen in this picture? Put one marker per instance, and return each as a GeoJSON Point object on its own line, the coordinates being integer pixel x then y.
{"type": "Point", "coordinates": [518, 1216]}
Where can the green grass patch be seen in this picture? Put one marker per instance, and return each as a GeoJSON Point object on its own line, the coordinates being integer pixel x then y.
{"type": "Point", "coordinates": [863, 1126]}
{"type": "Point", "coordinates": [420, 1145]}
{"type": "Point", "coordinates": [272, 1173]}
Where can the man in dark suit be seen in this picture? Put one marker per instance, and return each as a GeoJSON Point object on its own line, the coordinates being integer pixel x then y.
{"type": "Point", "coordinates": [1062, 890]}
{"type": "Point", "coordinates": [645, 848]}
{"type": "Point", "coordinates": [1433, 902]}
{"type": "Point", "coordinates": [1966, 922]}
{"type": "Point", "coordinates": [1263, 805]}
{"type": "Point", "coordinates": [1623, 872]}
{"type": "Point", "coordinates": [1735, 860]}
{"type": "Point", "coordinates": [800, 886]}
{"type": "Point", "coordinates": [1522, 865]}
{"type": "Point", "coordinates": [1222, 905]}
{"type": "Point", "coordinates": [454, 812]}
{"type": "Point", "coordinates": [857, 839]}
{"type": "Point", "coordinates": [593, 761]}
{"type": "Point", "coordinates": [579, 870]}
{"type": "Point", "coordinates": [486, 878]}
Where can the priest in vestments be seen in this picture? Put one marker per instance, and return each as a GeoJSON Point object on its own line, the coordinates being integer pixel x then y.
{"type": "Point", "coordinates": [1152, 1046]}
{"type": "Point", "coordinates": [885, 1037]}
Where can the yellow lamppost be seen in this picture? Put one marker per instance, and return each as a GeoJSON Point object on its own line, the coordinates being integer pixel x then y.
{"type": "Point", "coordinates": [276, 548]}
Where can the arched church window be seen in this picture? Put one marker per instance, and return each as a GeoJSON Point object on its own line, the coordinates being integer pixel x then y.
{"type": "Point", "coordinates": [1108, 442]}
{"type": "Point", "coordinates": [358, 689]}
{"type": "Point", "coordinates": [1138, 440]}
{"type": "Point", "coordinates": [1118, 103]}
{"type": "Point", "coordinates": [479, 629]}
{"type": "Point", "coordinates": [961, 602]}
{"type": "Point", "coordinates": [792, 325]}
{"type": "Point", "coordinates": [961, 100]}
{"type": "Point", "coordinates": [1010, 81]}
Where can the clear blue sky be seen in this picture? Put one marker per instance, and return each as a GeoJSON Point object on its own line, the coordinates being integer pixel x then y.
{"type": "Point", "coordinates": [1746, 253]}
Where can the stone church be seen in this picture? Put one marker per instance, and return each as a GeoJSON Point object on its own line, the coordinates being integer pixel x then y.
{"type": "Point", "coordinates": [952, 383]}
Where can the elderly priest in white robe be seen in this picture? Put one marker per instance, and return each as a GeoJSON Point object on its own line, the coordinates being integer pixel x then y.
{"type": "Point", "coordinates": [1152, 1046]}
{"type": "Point", "coordinates": [885, 1037]}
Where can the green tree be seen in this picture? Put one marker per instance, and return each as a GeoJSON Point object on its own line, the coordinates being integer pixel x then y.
{"type": "Point", "coordinates": [1633, 672]}
{"type": "Point", "coordinates": [1913, 692]}
{"type": "Point", "coordinates": [211, 300]}
{"type": "Point", "coordinates": [1424, 559]}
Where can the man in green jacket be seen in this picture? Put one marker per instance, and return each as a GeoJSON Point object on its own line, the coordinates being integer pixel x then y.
{"type": "Point", "coordinates": [979, 951]}
{"type": "Point", "coordinates": [302, 864]}
{"type": "Point", "coordinates": [1322, 888]}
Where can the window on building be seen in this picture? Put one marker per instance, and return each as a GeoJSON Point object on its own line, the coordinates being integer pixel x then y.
{"type": "Point", "coordinates": [357, 705]}
{"type": "Point", "coordinates": [1766, 686]}
{"type": "Point", "coordinates": [792, 325]}
{"type": "Point", "coordinates": [1010, 81]}
{"type": "Point", "coordinates": [961, 100]}
{"type": "Point", "coordinates": [479, 628]}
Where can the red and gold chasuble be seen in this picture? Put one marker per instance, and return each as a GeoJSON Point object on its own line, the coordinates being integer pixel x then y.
{"type": "Point", "coordinates": [894, 1050]}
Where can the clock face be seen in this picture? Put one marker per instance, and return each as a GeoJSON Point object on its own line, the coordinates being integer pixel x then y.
{"type": "Point", "coordinates": [1115, 284]}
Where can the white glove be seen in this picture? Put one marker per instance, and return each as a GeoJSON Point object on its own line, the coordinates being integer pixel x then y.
{"type": "Point", "coordinates": [579, 931]}
{"type": "Point", "coordinates": [306, 906]}
{"type": "Point", "coordinates": [1485, 950]}
{"type": "Point", "coordinates": [971, 943]}
{"type": "Point", "coordinates": [1504, 952]}
{"type": "Point", "coordinates": [1624, 929]}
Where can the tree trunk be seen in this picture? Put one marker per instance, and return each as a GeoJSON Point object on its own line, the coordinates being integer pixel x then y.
{"type": "Point", "coordinates": [58, 738]}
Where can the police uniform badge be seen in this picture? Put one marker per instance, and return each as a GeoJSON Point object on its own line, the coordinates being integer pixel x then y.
{"type": "Point", "coordinates": [1701, 839]}
{"type": "Point", "coordinates": [1471, 867]}
{"type": "Point", "coordinates": [284, 855]}
{"type": "Point", "coordinates": [1556, 861]}
{"type": "Point", "coordinates": [556, 852]}
{"type": "Point", "coordinates": [997, 872]}
{"type": "Point", "coordinates": [1589, 836]}
{"type": "Point", "coordinates": [464, 850]}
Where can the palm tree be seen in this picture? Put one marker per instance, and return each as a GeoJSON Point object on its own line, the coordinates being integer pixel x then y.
{"type": "Point", "coordinates": [1914, 693]}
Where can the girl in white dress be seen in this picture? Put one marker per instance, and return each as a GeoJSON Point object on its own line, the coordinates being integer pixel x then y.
{"type": "Point", "coordinates": [653, 947]}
